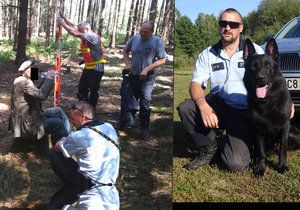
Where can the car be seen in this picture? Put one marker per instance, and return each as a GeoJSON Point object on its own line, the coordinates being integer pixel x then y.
{"type": "Point", "coordinates": [288, 41]}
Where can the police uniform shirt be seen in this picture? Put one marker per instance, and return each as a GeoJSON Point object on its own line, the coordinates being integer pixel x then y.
{"type": "Point", "coordinates": [144, 53]}
{"type": "Point", "coordinates": [226, 75]}
{"type": "Point", "coordinates": [98, 158]}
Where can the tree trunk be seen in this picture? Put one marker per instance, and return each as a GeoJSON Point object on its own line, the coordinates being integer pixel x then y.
{"type": "Point", "coordinates": [2, 20]}
{"type": "Point", "coordinates": [123, 17]}
{"type": "Point", "coordinates": [5, 19]}
{"type": "Point", "coordinates": [135, 17]}
{"type": "Point", "coordinates": [10, 19]}
{"type": "Point", "coordinates": [101, 18]}
{"type": "Point", "coordinates": [36, 32]}
{"type": "Point", "coordinates": [79, 10]}
{"type": "Point", "coordinates": [160, 18]}
{"type": "Point", "coordinates": [129, 25]}
{"type": "Point", "coordinates": [139, 14]}
{"type": "Point", "coordinates": [111, 8]}
{"type": "Point", "coordinates": [90, 11]}
{"type": "Point", "coordinates": [30, 26]}
{"type": "Point", "coordinates": [95, 14]}
{"type": "Point", "coordinates": [22, 31]}
{"type": "Point", "coordinates": [16, 26]}
{"type": "Point", "coordinates": [168, 25]}
{"type": "Point", "coordinates": [118, 16]}
{"type": "Point", "coordinates": [48, 25]}
{"type": "Point", "coordinates": [153, 10]}
{"type": "Point", "coordinates": [70, 9]}
{"type": "Point", "coordinates": [112, 43]}
{"type": "Point", "coordinates": [143, 9]}
{"type": "Point", "coordinates": [82, 10]}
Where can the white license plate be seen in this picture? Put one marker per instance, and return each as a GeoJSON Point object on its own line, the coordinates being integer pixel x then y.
{"type": "Point", "coordinates": [293, 83]}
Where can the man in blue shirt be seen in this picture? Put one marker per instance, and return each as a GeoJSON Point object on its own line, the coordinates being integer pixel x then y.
{"type": "Point", "coordinates": [225, 106]}
{"type": "Point", "coordinates": [95, 146]}
{"type": "Point", "coordinates": [148, 53]}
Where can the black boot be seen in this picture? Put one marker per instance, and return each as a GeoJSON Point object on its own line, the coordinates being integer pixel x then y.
{"type": "Point", "coordinates": [206, 153]}
{"type": "Point", "coordinates": [145, 135]}
{"type": "Point", "coordinates": [144, 124]}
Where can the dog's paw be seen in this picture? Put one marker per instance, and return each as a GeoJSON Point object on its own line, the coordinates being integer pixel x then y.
{"type": "Point", "coordinates": [283, 169]}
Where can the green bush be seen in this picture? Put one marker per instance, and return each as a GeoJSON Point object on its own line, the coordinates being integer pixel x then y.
{"type": "Point", "coordinates": [37, 47]}
{"type": "Point", "coordinates": [183, 61]}
{"type": "Point", "coordinates": [6, 51]}
{"type": "Point", "coordinates": [120, 38]}
{"type": "Point", "coordinates": [69, 43]}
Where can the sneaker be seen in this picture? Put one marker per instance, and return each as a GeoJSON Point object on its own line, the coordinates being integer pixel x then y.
{"type": "Point", "coordinates": [145, 135]}
{"type": "Point", "coordinates": [206, 154]}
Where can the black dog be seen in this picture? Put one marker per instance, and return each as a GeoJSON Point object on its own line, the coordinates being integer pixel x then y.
{"type": "Point", "coordinates": [269, 103]}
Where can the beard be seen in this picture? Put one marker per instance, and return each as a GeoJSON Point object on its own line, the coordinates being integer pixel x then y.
{"type": "Point", "coordinates": [227, 38]}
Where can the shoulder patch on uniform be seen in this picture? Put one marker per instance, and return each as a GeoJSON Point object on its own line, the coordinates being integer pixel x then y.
{"type": "Point", "coordinates": [217, 66]}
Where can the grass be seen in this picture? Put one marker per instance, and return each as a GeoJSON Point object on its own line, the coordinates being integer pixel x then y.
{"type": "Point", "coordinates": [210, 184]}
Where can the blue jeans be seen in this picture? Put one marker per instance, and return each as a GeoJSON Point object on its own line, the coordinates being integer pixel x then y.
{"type": "Point", "coordinates": [56, 123]}
{"type": "Point", "coordinates": [142, 91]}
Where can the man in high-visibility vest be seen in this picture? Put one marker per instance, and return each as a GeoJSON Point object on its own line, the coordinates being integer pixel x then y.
{"type": "Point", "coordinates": [93, 57]}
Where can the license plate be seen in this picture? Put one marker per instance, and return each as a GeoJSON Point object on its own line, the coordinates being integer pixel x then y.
{"type": "Point", "coordinates": [293, 83]}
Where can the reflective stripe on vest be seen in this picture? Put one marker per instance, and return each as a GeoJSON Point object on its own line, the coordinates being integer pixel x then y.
{"type": "Point", "coordinates": [89, 61]}
{"type": "Point", "coordinates": [92, 65]}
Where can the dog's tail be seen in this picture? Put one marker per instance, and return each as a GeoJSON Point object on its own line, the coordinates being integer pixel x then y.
{"type": "Point", "coordinates": [294, 138]}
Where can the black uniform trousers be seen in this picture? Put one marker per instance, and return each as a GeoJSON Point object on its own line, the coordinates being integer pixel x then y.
{"type": "Point", "coordinates": [73, 181]}
{"type": "Point", "coordinates": [236, 148]}
{"type": "Point", "coordinates": [89, 85]}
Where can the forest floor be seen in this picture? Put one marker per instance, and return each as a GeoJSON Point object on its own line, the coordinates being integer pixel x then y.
{"type": "Point", "coordinates": [145, 180]}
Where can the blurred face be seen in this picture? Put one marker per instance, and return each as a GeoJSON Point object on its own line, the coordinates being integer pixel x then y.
{"type": "Point", "coordinates": [146, 31]}
{"type": "Point", "coordinates": [230, 27]}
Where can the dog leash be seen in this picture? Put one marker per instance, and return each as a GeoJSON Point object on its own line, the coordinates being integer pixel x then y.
{"type": "Point", "coordinates": [105, 136]}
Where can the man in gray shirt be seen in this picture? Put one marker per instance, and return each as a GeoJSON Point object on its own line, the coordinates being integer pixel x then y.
{"type": "Point", "coordinates": [92, 54]}
{"type": "Point", "coordinates": [148, 53]}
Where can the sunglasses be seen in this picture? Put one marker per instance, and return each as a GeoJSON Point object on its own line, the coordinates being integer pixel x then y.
{"type": "Point", "coordinates": [232, 25]}
{"type": "Point", "coordinates": [74, 107]}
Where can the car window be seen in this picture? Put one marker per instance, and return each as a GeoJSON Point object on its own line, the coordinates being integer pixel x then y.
{"type": "Point", "coordinates": [292, 30]}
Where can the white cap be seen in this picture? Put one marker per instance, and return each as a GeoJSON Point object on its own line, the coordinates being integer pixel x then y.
{"type": "Point", "coordinates": [26, 64]}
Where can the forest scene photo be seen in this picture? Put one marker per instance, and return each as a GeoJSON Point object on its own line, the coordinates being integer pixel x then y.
{"type": "Point", "coordinates": [29, 32]}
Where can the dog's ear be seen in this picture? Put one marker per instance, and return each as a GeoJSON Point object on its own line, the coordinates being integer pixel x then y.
{"type": "Point", "coordinates": [248, 49]}
{"type": "Point", "coordinates": [272, 49]}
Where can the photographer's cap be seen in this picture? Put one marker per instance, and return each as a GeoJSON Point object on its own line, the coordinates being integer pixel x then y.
{"type": "Point", "coordinates": [26, 64]}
